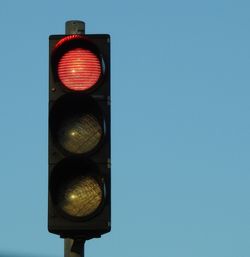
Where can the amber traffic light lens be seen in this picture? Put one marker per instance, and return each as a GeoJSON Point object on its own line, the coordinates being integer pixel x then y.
{"type": "Point", "coordinates": [80, 197]}
{"type": "Point", "coordinates": [80, 134]}
{"type": "Point", "coordinates": [79, 69]}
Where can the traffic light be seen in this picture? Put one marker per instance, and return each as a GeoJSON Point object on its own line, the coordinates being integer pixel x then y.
{"type": "Point", "coordinates": [79, 200]}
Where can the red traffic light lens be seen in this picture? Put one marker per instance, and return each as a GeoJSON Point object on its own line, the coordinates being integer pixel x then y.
{"type": "Point", "coordinates": [79, 69]}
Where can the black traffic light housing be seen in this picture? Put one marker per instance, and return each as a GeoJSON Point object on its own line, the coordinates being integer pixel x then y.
{"type": "Point", "coordinates": [79, 136]}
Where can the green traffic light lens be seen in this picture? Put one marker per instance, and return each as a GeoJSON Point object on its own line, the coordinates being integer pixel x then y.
{"type": "Point", "coordinates": [80, 197]}
{"type": "Point", "coordinates": [80, 134]}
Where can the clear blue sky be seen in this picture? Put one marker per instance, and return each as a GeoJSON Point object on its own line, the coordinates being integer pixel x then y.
{"type": "Point", "coordinates": [180, 126]}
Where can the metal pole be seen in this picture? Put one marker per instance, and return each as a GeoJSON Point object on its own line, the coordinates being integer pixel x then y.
{"type": "Point", "coordinates": [74, 27]}
{"type": "Point", "coordinates": [73, 248]}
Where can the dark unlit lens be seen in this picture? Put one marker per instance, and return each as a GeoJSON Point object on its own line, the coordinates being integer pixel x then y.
{"type": "Point", "coordinates": [80, 134]}
{"type": "Point", "coordinates": [80, 197]}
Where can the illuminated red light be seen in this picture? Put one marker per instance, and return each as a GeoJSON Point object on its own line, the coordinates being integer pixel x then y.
{"type": "Point", "coordinates": [79, 69]}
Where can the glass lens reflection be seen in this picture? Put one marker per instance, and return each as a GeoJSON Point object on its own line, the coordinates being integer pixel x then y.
{"type": "Point", "coordinates": [80, 134]}
{"type": "Point", "coordinates": [80, 197]}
